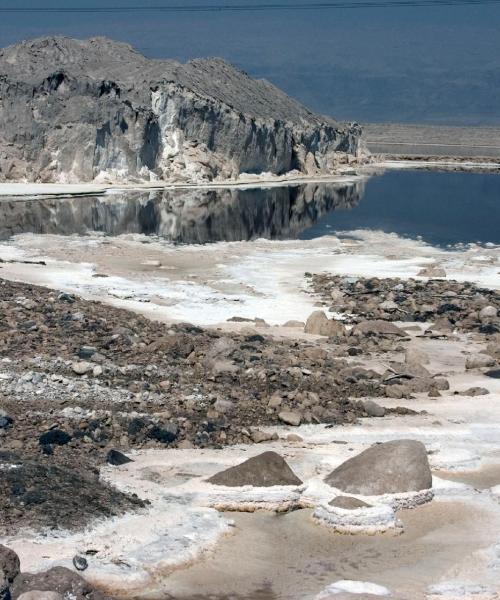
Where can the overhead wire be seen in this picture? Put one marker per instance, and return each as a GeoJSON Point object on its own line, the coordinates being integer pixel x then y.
{"type": "Point", "coordinates": [247, 7]}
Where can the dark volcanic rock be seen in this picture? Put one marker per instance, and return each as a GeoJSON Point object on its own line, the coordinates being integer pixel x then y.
{"type": "Point", "coordinates": [494, 373]}
{"type": "Point", "coordinates": [78, 109]}
{"type": "Point", "coordinates": [264, 470]}
{"type": "Point", "coordinates": [55, 436]}
{"type": "Point", "coordinates": [389, 468]}
{"type": "Point", "coordinates": [117, 458]}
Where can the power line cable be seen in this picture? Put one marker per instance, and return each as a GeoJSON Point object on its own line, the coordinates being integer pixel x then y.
{"type": "Point", "coordinates": [299, 6]}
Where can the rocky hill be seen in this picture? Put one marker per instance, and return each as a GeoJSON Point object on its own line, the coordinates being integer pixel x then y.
{"type": "Point", "coordinates": [74, 111]}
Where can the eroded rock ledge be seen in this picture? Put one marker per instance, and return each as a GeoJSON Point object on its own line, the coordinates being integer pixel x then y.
{"type": "Point", "coordinates": [74, 111]}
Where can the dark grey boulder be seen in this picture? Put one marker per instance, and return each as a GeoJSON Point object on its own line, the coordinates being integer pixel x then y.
{"type": "Point", "coordinates": [117, 458]}
{"type": "Point", "coordinates": [393, 467]}
{"type": "Point", "coordinates": [54, 436]}
{"type": "Point", "coordinates": [264, 470]}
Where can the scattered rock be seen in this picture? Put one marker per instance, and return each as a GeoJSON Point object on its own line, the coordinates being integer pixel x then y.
{"type": "Point", "coordinates": [265, 470]}
{"type": "Point", "coordinates": [475, 391]}
{"type": "Point", "coordinates": [5, 420]}
{"type": "Point", "coordinates": [377, 327]}
{"type": "Point", "coordinates": [80, 563]}
{"type": "Point", "coordinates": [488, 312]}
{"type": "Point", "coordinates": [373, 409]}
{"type": "Point", "coordinates": [82, 368]}
{"type": "Point", "coordinates": [479, 361]}
{"type": "Point", "coordinates": [295, 324]}
{"type": "Point", "coordinates": [263, 436]}
{"type": "Point", "coordinates": [494, 374]}
{"type": "Point", "coordinates": [290, 418]}
{"type": "Point", "coordinates": [319, 324]}
{"type": "Point", "coordinates": [117, 458]}
{"type": "Point", "coordinates": [56, 437]}
{"type": "Point", "coordinates": [388, 468]}
{"type": "Point", "coordinates": [432, 271]}
{"type": "Point", "coordinates": [348, 503]}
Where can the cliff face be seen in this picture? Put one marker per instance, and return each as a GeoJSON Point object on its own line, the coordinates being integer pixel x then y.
{"type": "Point", "coordinates": [74, 111]}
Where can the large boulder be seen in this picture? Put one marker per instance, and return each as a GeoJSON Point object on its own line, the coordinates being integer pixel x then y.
{"type": "Point", "coordinates": [390, 468]}
{"type": "Point", "coordinates": [9, 563]}
{"type": "Point", "coordinates": [319, 324]}
{"type": "Point", "coordinates": [265, 470]}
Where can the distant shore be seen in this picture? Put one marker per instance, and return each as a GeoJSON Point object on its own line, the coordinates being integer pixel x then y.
{"type": "Point", "coordinates": [424, 142]}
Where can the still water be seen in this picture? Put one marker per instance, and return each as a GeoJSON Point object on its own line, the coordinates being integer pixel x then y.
{"type": "Point", "coordinates": [441, 208]}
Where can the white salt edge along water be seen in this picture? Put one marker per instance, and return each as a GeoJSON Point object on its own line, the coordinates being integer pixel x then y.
{"type": "Point", "coordinates": [246, 279]}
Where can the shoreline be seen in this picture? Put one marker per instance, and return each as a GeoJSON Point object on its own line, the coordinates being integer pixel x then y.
{"type": "Point", "coordinates": [356, 173]}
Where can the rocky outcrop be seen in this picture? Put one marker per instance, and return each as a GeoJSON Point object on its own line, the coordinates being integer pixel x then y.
{"type": "Point", "coordinates": [73, 111]}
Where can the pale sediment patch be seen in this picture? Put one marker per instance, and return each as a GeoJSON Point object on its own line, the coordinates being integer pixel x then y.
{"type": "Point", "coordinates": [207, 285]}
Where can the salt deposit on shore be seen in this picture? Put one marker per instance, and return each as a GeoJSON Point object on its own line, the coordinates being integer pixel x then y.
{"type": "Point", "coordinates": [207, 285]}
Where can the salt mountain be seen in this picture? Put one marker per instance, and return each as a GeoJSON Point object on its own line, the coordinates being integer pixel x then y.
{"type": "Point", "coordinates": [74, 111]}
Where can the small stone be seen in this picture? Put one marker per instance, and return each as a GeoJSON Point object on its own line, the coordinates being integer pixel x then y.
{"type": "Point", "coordinates": [479, 361]}
{"type": "Point", "coordinates": [56, 437]}
{"type": "Point", "coordinates": [319, 324]}
{"type": "Point", "coordinates": [432, 271]}
{"type": "Point", "coordinates": [295, 324]}
{"type": "Point", "coordinates": [475, 391]}
{"type": "Point", "coordinates": [434, 393]}
{"type": "Point", "coordinates": [82, 368]}
{"type": "Point", "coordinates": [80, 563]}
{"type": "Point", "coordinates": [263, 436]}
{"type": "Point", "coordinates": [290, 418]}
{"type": "Point", "coordinates": [488, 312]}
{"type": "Point", "coordinates": [117, 458]}
{"type": "Point", "coordinates": [373, 409]}
{"type": "Point", "coordinates": [388, 306]}
{"type": "Point", "coordinates": [275, 400]}
{"type": "Point", "coordinates": [348, 503]}
{"type": "Point", "coordinates": [293, 437]}
{"type": "Point", "coordinates": [86, 352]}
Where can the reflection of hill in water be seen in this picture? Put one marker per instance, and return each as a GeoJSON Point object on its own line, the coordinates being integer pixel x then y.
{"type": "Point", "coordinates": [190, 216]}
